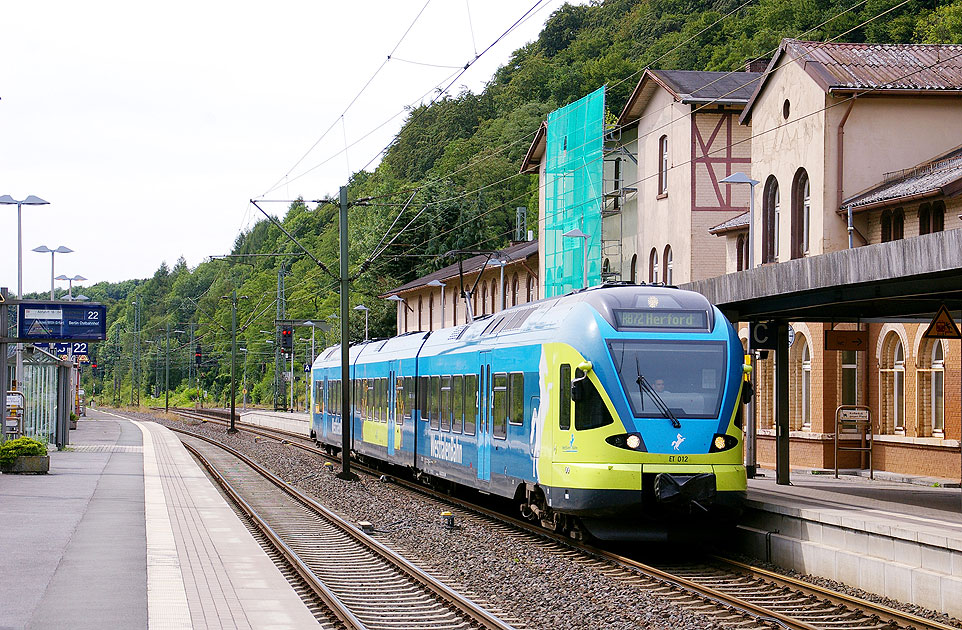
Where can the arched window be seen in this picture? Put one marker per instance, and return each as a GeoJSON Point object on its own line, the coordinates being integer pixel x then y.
{"type": "Point", "coordinates": [420, 313]}
{"type": "Point", "coordinates": [454, 307]}
{"type": "Point", "coordinates": [663, 165]}
{"type": "Point", "coordinates": [885, 223]}
{"type": "Point", "coordinates": [892, 385]}
{"type": "Point", "coordinates": [527, 288]}
{"type": "Point", "coordinates": [515, 287]}
{"type": "Point", "coordinates": [806, 386]}
{"type": "Point", "coordinates": [634, 268]}
{"type": "Point", "coordinates": [431, 312]}
{"type": "Point", "coordinates": [669, 274]}
{"type": "Point", "coordinates": [653, 265]}
{"type": "Point", "coordinates": [800, 384]}
{"type": "Point", "coordinates": [931, 389]}
{"type": "Point", "coordinates": [740, 262]}
{"type": "Point", "coordinates": [484, 297]}
{"type": "Point", "coordinates": [801, 213]}
{"type": "Point", "coordinates": [898, 224]}
{"type": "Point", "coordinates": [931, 217]}
{"type": "Point", "coordinates": [403, 306]}
{"type": "Point", "coordinates": [770, 209]}
{"type": "Point", "coordinates": [494, 295]}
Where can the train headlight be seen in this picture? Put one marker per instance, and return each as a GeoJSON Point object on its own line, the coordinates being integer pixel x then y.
{"type": "Point", "coordinates": [722, 442]}
{"type": "Point", "coordinates": [630, 441]}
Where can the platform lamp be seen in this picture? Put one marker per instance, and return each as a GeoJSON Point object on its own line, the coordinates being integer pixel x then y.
{"type": "Point", "coordinates": [438, 283]}
{"type": "Point", "coordinates": [399, 301]}
{"type": "Point", "coordinates": [742, 178]}
{"type": "Point", "coordinates": [361, 307]}
{"type": "Point", "coordinates": [43, 249]}
{"type": "Point", "coordinates": [576, 233]}
{"type": "Point", "coordinates": [750, 439]}
{"type": "Point", "coordinates": [31, 200]}
{"type": "Point", "coordinates": [70, 281]}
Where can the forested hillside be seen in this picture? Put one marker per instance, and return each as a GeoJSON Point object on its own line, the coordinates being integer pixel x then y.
{"type": "Point", "coordinates": [450, 180]}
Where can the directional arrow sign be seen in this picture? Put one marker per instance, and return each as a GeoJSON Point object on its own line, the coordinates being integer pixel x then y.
{"type": "Point", "coordinates": [856, 340]}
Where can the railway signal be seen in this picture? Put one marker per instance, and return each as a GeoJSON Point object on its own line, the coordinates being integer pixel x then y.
{"type": "Point", "coordinates": [198, 355]}
{"type": "Point", "coordinates": [287, 339]}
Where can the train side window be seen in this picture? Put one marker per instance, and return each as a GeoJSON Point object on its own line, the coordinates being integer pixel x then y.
{"type": "Point", "coordinates": [423, 398]}
{"type": "Point", "coordinates": [408, 397]}
{"type": "Point", "coordinates": [434, 392]}
{"type": "Point", "coordinates": [591, 411]}
{"type": "Point", "coordinates": [383, 398]}
{"type": "Point", "coordinates": [499, 411]}
{"type": "Point", "coordinates": [516, 398]}
{"type": "Point", "coordinates": [445, 403]}
{"type": "Point", "coordinates": [399, 401]}
{"type": "Point", "coordinates": [470, 403]}
{"type": "Point", "coordinates": [564, 398]}
{"type": "Point", "coordinates": [370, 400]}
{"type": "Point", "coordinates": [458, 403]}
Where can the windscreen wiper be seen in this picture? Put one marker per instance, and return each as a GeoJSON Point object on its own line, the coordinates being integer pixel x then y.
{"type": "Point", "coordinates": [646, 388]}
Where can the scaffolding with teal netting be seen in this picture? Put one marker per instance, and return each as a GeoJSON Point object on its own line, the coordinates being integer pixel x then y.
{"type": "Point", "coordinates": [574, 168]}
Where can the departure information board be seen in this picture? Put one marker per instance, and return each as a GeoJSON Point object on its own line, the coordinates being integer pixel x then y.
{"type": "Point", "coordinates": [62, 322]}
{"type": "Point", "coordinates": [642, 319]}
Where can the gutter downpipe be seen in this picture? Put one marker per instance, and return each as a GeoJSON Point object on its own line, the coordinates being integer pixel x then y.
{"type": "Point", "coordinates": [840, 168]}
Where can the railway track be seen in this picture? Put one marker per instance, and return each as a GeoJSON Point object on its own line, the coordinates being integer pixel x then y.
{"type": "Point", "coordinates": [364, 584]}
{"type": "Point", "coordinates": [735, 594]}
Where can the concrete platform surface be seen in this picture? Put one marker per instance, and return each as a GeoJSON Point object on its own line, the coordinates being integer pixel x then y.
{"type": "Point", "coordinates": [127, 532]}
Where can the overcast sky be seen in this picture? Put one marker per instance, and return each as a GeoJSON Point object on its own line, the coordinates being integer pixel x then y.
{"type": "Point", "coordinates": [148, 127]}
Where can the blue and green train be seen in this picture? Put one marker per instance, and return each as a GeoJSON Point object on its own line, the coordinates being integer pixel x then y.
{"type": "Point", "coordinates": [615, 411]}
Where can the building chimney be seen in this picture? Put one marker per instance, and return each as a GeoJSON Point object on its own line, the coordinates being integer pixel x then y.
{"type": "Point", "coordinates": [757, 65]}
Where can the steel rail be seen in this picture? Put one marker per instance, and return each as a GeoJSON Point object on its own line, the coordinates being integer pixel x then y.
{"type": "Point", "coordinates": [465, 606]}
{"type": "Point", "coordinates": [884, 613]}
{"type": "Point", "coordinates": [337, 607]}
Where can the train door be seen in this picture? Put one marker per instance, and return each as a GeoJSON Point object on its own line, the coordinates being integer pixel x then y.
{"type": "Point", "coordinates": [391, 396]}
{"type": "Point", "coordinates": [325, 407]}
{"type": "Point", "coordinates": [484, 418]}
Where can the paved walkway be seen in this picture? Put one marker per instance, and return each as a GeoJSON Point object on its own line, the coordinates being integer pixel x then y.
{"type": "Point", "coordinates": [127, 532]}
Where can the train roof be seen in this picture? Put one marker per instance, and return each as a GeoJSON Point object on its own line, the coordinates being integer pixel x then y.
{"type": "Point", "coordinates": [537, 319]}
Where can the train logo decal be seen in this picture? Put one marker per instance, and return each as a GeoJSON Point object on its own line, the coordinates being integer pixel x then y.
{"type": "Point", "coordinates": [571, 448]}
{"type": "Point", "coordinates": [676, 443]}
{"type": "Point", "coordinates": [448, 450]}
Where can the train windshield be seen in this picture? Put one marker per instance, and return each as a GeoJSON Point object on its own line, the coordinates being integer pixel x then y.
{"type": "Point", "coordinates": [687, 376]}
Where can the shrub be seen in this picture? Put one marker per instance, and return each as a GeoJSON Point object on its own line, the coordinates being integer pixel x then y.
{"type": "Point", "coordinates": [12, 449]}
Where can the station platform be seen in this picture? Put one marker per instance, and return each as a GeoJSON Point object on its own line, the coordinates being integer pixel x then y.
{"type": "Point", "coordinates": [126, 531]}
{"type": "Point", "coordinates": [887, 536]}
{"type": "Point", "coordinates": [295, 422]}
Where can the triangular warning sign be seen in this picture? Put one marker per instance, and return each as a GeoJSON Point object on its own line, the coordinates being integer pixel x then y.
{"type": "Point", "coordinates": [943, 326]}
{"type": "Point", "coordinates": [38, 330]}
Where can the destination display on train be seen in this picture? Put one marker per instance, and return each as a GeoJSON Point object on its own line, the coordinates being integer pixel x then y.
{"type": "Point", "coordinates": [62, 322]}
{"type": "Point", "coordinates": [639, 319]}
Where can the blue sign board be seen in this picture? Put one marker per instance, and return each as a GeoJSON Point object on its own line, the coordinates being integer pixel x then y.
{"type": "Point", "coordinates": [62, 322]}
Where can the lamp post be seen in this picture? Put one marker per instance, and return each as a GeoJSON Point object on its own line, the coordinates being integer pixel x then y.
{"type": "Point", "coordinates": [742, 178]}
{"type": "Point", "coordinates": [750, 439]}
{"type": "Point", "coordinates": [167, 368]}
{"type": "Point", "coordinates": [7, 200]}
{"type": "Point", "coordinates": [70, 281]}
{"type": "Point", "coordinates": [576, 233]}
{"type": "Point", "coordinates": [438, 283]}
{"type": "Point", "coordinates": [361, 307]}
{"type": "Point", "coordinates": [43, 249]}
{"type": "Point", "coordinates": [400, 302]}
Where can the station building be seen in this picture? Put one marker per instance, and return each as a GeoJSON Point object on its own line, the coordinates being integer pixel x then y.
{"type": "Point", "coordinates": [829, 131]}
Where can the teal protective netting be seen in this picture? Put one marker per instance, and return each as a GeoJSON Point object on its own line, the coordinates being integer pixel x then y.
{"type": "Point", "coordinates": [574, 167]}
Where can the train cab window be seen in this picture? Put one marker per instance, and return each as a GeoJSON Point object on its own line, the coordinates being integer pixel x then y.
{"type": "Point", "coordinates": [434, 391]}
{"type": "Point", "coordinates": [564, 398]}
{"type": "Point", "coordinates": [424, 386]}
{"type": "Point", "coordinates": [470, 403]}
{"type": "Point", "coordinates": [318, 396]}
{"type": "Point", "coordinates": [446, 403]}
{"type": "Point", "coordinates": [516, 398]}
{"type": "Point", "coordinates": [591, 411]}
{"type": "Point", "coordinates": [499, 409]}
{"type": "Point", "coordinates": [457, 403]}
